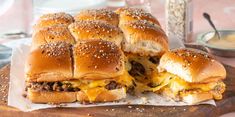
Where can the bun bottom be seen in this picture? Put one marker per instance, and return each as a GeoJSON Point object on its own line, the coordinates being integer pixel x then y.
{"type": "Point", "coordinates": [189, 98]}
{"type": "Point", "coordinates": [105, 96]}
{"type": "Point", "coordinates": [66, 97]}
{"type": "Point", "coordinates": [197, 98]}
{"type": "Point", "coordinates": [51, 97]}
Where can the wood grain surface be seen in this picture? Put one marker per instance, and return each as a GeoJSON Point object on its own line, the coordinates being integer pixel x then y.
{"type": "Point", "coordinates": [223, 106]}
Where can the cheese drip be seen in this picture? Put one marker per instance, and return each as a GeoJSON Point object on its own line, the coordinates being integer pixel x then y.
{"type": "Point", "coordinates": [177, 85]}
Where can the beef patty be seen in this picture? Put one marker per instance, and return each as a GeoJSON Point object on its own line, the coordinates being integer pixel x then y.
{"type": "Point", "coordinates": [51, 86]}
{"type": "Point", "coordinates": [58, 86]}
{"type": "Point", "coordinates": [137, 71]}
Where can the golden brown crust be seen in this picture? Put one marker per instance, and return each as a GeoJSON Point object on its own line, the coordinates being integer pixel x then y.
{"type": "Point", "coordinates": [50, 34]}
{"type": "Point", "coordinates": [87, 30]}
{"type": "Point", "coordinates": [98, 14]}
{"type": "Point", "coordinates": [141, 37]}
{"type": "Point", "coordinates": [97, 59]}
{"type": "Point", "coordinates": [197, 97]}
{"type": "Point", "coordinates": [53, 19]}
{"type": "Point", "coordinates": [189, 97]}
{"type": "Point", "coordinates": [51, 97]}
{"type": "Point", "coordinates": [192, 66]}
{"type": "Point", "coordinates": [105, 96]}
{"type": "Point", "coordinates": [50, 62]}
{"type": "Point", "coordinates": [134, 14]}
{"type": "Point", "coordinates": [65, 97]}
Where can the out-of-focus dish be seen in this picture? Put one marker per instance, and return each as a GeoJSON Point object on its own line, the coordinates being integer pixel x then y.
{"type": "Point", "coordinates": [222, 47]}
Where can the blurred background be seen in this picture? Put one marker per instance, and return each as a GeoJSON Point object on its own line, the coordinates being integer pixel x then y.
{"type": "Point", "coordinates": [17, 16]}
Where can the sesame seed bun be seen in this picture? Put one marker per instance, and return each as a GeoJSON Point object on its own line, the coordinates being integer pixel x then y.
{"type": "Point", "coordinates": [97, 59]}
{"type": "Point", "coordinates": [84, 30]}
{"type": "Point", "coordinates": [192, 65]}
{"type": "Point", "coordinates": [53, 19]}
{"type": "Point", "coordinates": [50, 62]}
{"type": "Point", "coordinates": [98, 14]}
{"type": "Point", "coordinates": [51, 34]}
{"type": "Point", "coordinates": [144, 38]}
{"type": "Point", "coordinates": [134, 14]}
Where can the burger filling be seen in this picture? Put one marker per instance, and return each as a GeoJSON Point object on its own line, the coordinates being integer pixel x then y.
{"type": "Point", "coordinates": [142, 70]}
{"type": "Point", "coordinates": [137, 71]}
{"type": "Point", "coordinates": [177, 87]}
{"type": "Point", "coordinates": [92, 88]}
{"type": "Point", "coordinates": [52, 86]}
{"type": "Point", "coordinates": [72, 86]}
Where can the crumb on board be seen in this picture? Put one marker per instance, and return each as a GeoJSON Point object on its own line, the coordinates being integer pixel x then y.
{"type": "Point", "coordinates": [4, 81]}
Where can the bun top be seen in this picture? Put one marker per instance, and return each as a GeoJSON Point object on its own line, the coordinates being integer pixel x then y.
{"type": "Point", "coordinates": [97, 59]}
{"type": "Point", "coordinates": [86, 30]}
{"type": "Point", "coordinates": [133, 14]}
{"type": "Point", "coordinates": [142, 37]}
{"type": "Point", "coordinates": [192, 65]}
{"type": "Point", "coordinates": [51, 34]}
{"type": "Point", "coordinates": [53, 19]}
{"type": "Point", "coordinates": [98, 14]}
{"type": "Point", "coordinates": [51, 59]}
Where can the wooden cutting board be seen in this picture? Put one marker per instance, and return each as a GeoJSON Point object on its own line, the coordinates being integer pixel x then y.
{"type": "Point", "coordinates": [223, 106]}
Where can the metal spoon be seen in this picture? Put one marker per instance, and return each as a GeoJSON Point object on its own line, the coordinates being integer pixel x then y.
{"type": "Point", "coordinates": [208, 18]}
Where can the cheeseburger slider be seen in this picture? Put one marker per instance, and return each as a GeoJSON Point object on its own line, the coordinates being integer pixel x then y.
{"type": "Point", "coordinates": [91, 71]}
{"type": "Point", "coordinates": [105, 15]}
{"type": "Point", "coordinates": [190, 76]}
{"type": "Point", "coordinates": [144, 43]}
{"type": "Point", "coordinates": [51, 19]}
{"type": "Point", "coordinates": [100, 70]}
{"type": "Point", "coordinates": [51, 34]}
{"type": "Point", "coordinates": [47, 67]}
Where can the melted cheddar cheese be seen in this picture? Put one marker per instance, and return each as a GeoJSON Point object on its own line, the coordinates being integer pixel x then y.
{"type": "Point", "coordinates": [92, 88]}
{"type": "Point", "coordinates": [176, 85]}
{"type": "Point", "coordinates": [94, 92]}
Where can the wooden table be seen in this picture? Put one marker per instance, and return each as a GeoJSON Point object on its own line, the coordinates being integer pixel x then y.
{"type": "Point", "coordinates": [223, 106]}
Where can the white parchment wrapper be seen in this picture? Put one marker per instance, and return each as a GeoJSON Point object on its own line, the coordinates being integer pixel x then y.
{"type": "Point", "coordinates": [17, 87]}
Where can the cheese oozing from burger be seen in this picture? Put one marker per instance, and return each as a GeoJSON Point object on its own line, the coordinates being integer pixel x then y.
{"type": "Point", "coordinates": [189, 75]}
{"type": "Point", "coordinates": [180, 87]}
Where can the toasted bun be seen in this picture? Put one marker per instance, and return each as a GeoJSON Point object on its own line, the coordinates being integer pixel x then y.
{"type": "Point", "coordinates": [134, 14]}
{"type": "Point", "coordinates": [190, 97]}
{"type": "Point", "coordinates": [50, 34]}
{"type": "Point", "coordinates": [144, 38]}
{"type": "Point", "coordinates": [197, 97]}
{"type": "Point", "coordinates": [84, 30]}
{"type": "Point", "coordinates": [105, 96]}
{"type": "Point", "coordinates": [97, 59]}
{"type": "Point", "coordinates": [53, 19]}
{"type": "Point", "coordinates": [192, 66]}
{"type": "Point", "coordinates": [98, 14]}
{"type": "Point", "coordinates": [65, 97]}
{"type": "Point", "coordinates": [51, 97]}
{"type": "Point", "coordinates": [50, 62]}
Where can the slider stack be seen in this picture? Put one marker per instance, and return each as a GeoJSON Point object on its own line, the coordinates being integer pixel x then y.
{"type": "Point", "coordinates": [101, 55]}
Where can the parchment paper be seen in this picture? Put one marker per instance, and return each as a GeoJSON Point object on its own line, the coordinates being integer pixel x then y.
{"type": "Point", "coordinates": [17, 86]}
